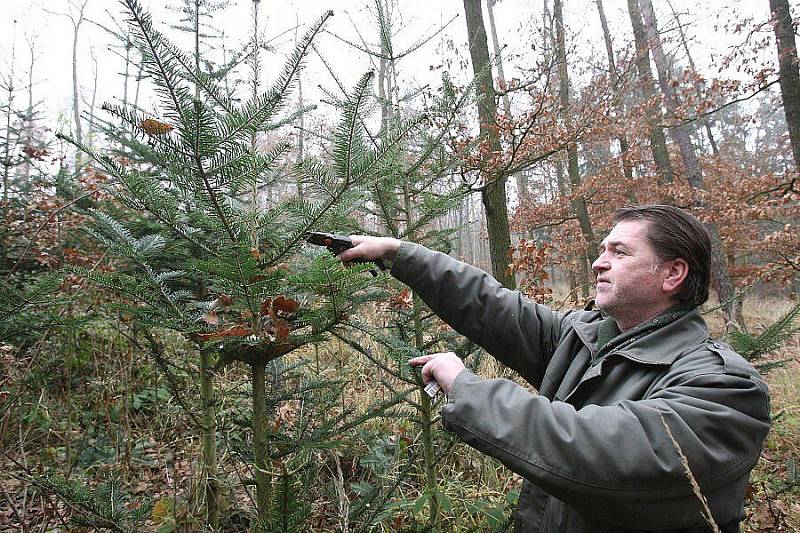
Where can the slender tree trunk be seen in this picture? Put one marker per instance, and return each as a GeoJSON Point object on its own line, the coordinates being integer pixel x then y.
{"type": "Point", "coordinates": [209, 439]}
{"type": "Point", "coordinates": [127, 73]}
{"type": "Point", "coordinates": [573, 171]}
{"type": "Point", "coordinates": [76, 25]}
{"type": "Point", "coordinates": [6, 162]}
{"type": "Point", "coordinates": [427, 415]}
{"type": "Point", "coordinates": [384, 78]}
{"type": "Point", "coordinates": [520, 178]}
{"type": "Point", "coordinates": [139, 76]}
{"type": "Point", "coordinates": [259, 370]}
{"type": "Point", "coordinates": [209, 453]}
{"type": "Point", "coordinates": [90, 129]}
{"type": "Point", "coordinates": [260, 450]}
{"type": "Point", "coordinates": [680, 134]}
{"type": "Point", "coordinates": [29, 118]}
{"type": "Point", "coordinates": [301, 120]}
{"type": "Point", "coordinates": [493, 193]}
{"type": "Point", "coordinates": [789, 73]}
{"type": "Point", "coordinates": [697, 85]}
{"type": "Point", "coordinates": [627, 168]}
{"type": "Point", "coordinates": [658, 142]}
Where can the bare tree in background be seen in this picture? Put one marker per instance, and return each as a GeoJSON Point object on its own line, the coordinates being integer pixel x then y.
{"type": "Point", "coordinates": [520, 178]}
{"type": "Point", "coordinates": [76, 17]}
{"type": "Point", "coordinates": [493, 191]}
{"type": "Point", "coordinates": [789, 76]}
{"type": "Point", "coordinates": [658, 141]}
{"type": "Point", "coordinates": [613, 73]}
{"type": "Point", "coordinates": [704, 120]}
{"type": "Point", "coordinates": [573, 171]}
{"type": "Point", "coordinates": [680, 134]}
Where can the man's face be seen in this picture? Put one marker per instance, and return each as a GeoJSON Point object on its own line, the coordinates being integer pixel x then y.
{"type": "Point", "coordinates": [629, 275]}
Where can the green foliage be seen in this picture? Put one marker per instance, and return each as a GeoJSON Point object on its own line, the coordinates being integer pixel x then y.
{"type": "Point", "coordinates": [105, 507]}
{"type": "Point", "coordinates": [289, 509]}
{"type": "Point", "coordinates": [754, 347]}
{"type": "Point", "coordinates": [206, 237]}
{"type": "Point", "coordinates": [27, 309]}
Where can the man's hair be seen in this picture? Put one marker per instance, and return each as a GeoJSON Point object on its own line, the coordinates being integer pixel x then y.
{"type": "Point", "coordinates": [674, 233]}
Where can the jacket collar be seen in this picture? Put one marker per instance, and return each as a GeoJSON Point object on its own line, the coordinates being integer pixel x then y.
{"type": "Point", "coordinates": [659, 341]}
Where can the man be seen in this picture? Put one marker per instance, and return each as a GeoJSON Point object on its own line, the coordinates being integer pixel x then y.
{"type": "Point", "coordinates": [593, 446]}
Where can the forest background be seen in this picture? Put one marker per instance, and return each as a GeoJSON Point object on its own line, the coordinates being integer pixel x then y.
{"type": "Point", "coordinates": [176, 358]}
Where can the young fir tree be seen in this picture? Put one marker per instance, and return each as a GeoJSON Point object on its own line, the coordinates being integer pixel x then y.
{"type": "Point", "coordinates": [224, 275]}
{"type": "Point", "coordinates": [411, 196]}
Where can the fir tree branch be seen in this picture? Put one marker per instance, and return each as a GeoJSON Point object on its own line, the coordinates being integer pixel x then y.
{"type": "Point", "coordinates": [145, 27]}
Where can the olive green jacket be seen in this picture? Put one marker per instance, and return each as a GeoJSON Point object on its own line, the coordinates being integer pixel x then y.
{"type": "Point", "coordinates": [592, 445]}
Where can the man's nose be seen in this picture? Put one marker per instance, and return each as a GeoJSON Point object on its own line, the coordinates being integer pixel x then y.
{"type": "Point", "coordinates": [600, 264]}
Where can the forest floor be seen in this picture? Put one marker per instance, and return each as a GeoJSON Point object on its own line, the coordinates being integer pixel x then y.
{"type": "Point", "coordinates": [774, 496]}
{"type": "Point", "coordinates": [111, 416]}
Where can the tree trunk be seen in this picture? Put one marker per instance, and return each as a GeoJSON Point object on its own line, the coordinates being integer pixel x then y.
{"type": "Point", "coordinates": [76, 112]}
{"type": "Point", "coordinates": [90, 129]}
{"type": "Point", "coordinates": [658, 142]}
{"type": "Point", "coordinates": [263, 481]}
{"type": "Point", "coordinates": [573, 171]}
{"type": "Point", "coordinates": [627, 168]}
{"type": "Point", "coordinates": [29, 138]}
{"type": "Point", "coordinates": [209, 439]}
{"type": "Point", "coordinates": [127, 73]}
{"type": "Point", "coordinates": [680, 134]}
{"type": "Point", "coordinates": [697, 85]}
{"type": "Point", "coordinates": [789, 74]}
{"type": "Point", "coordinates": [519, 178]}
{"type": "Point", "coordinates": [6, 161]}
{"type": "Point", "coordinates": [493, 193]}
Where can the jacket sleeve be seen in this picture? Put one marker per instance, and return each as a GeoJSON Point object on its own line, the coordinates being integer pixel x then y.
{"type": "Point", "coordinates": [606, 461]}
{"type": "Point", "coordinates": [518, 332]}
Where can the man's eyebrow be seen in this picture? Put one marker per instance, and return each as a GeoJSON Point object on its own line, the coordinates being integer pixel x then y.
{"type": "Point", "coordinates": [613, 244]}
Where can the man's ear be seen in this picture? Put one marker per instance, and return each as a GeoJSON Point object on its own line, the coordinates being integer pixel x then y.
{"type": "Point", "coordinates": [677, 271]}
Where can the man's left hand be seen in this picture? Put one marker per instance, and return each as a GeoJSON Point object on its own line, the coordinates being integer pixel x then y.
{"type": "Point", "coordinates": [443, 367]}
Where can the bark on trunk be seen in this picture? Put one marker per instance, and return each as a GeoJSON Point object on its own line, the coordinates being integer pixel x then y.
{"type": "Point", "coordinates": [263, 479]}
{"type": "Point", "coordinates": [493, 193]}
{"type": "Point", "coordinates": [697, 85]}
{"type": "Point", "coordinates": [76, 113]}
{"type": "Point", "coordinates": [789, 74]}
{"type": "Point", "coordinates": [6, 161]}
{"type": "Point", "coordinates": [627, 168]}
{"type": "Point", "coordinates": [680, 134]}
{"type": "Point", "coordinates": [573, 171]}
{"type": "Point", "coordinates": [209, 439]}
{"type": "Point", "coordinates": [520, 178]}
{"type": "Point", "coordinates": [658, 141]}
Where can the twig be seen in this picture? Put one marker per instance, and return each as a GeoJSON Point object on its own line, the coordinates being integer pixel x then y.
{"type": "Point", "coordinates": [695, 486]}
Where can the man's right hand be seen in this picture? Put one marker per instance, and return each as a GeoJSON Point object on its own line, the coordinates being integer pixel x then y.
{"type": "Point", "coordinates": [371, 249]}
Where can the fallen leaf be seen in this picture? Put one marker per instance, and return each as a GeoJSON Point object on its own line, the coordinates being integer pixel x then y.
{"type": "Point", "coordinates": [282, 329]}
{"type": "Point", "coordinates": [211, 318]}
